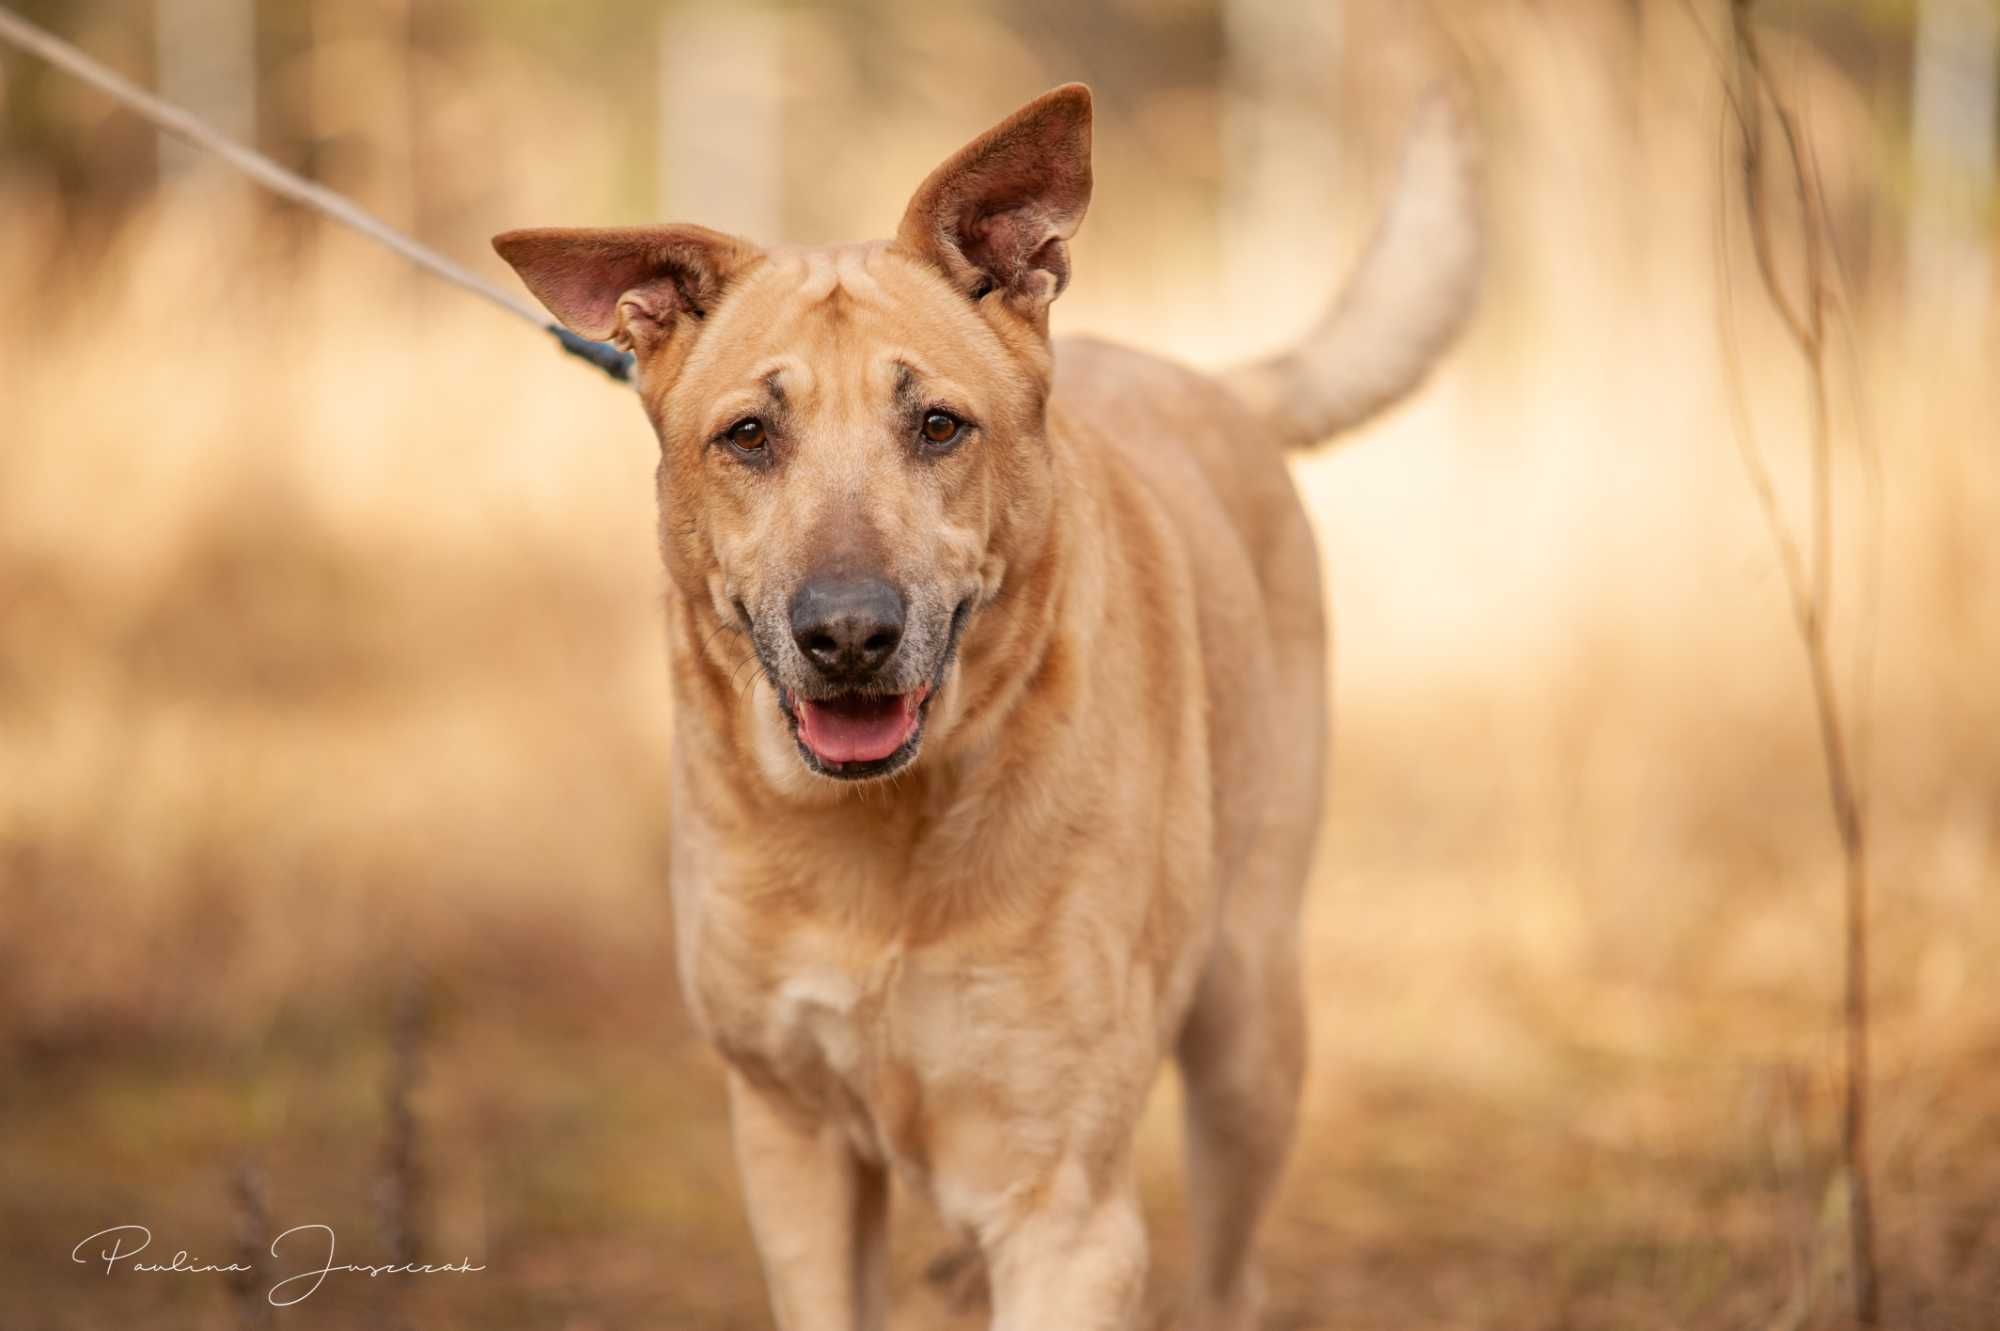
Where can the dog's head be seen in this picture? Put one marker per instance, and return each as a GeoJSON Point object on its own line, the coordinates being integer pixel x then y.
{"type": "Point", "coordinates": [852, 439]}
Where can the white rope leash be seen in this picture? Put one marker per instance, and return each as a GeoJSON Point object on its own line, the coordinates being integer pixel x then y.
{"type": "Point", "coordinates": [174, 120]}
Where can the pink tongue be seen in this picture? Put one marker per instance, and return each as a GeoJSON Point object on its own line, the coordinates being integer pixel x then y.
{"type": "Point", "coordinates": [858, 730]}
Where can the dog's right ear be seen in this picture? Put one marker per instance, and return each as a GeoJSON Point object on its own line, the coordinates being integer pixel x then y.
{"type": "Point", "coordinates": [630, 285]}
{"type": "Point", "coordinates": [998, 215]}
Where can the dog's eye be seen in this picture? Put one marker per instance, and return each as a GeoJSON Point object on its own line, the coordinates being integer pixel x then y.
{"type": "Point", "coordinates": [942, 428]}
{"type": "Point", "coordinates": [746, 435]}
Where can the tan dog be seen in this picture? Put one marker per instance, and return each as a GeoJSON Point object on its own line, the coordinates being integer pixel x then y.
{"type": "Point", "coordinates": [1000, 673]}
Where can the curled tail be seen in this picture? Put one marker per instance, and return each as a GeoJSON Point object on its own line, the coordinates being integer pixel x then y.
{"type": "Point", "coordinates": [1414, 288]}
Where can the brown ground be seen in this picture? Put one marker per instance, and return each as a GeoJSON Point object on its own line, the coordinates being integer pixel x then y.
{"type": "Point", "coordinates": [330, 674]}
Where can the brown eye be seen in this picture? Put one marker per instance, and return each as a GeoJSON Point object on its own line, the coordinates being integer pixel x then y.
{"type": "Point", "coordinates": [746, 435]}
{"type": "Point", "coordinates": [941, 427]}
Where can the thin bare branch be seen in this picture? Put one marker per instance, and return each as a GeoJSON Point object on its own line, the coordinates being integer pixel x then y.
{"type": "Point", "coordinates": [1810, 580]}
{"type": "Point", "coordinates": [1791, 562]}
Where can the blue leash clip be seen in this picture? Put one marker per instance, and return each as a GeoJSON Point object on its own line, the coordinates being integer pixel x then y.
{"type": "Point", "coordinates": [618, 364]}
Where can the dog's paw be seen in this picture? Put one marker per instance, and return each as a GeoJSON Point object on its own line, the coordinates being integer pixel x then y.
{"type": "Point", "coordinates": [1241, 1311]}
{"type": "Point", "coordinates": [959, 1276]}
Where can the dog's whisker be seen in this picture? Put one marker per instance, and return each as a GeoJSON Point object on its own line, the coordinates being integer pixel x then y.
{"type": "Point", "coordinates": [721, 626]}
{"type": "Point", "coordinates": [750, 680]}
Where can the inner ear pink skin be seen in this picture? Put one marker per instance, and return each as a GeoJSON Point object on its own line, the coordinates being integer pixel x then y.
{"type": "Point", "coordinates": [999, 213]}
{"type": "Point", "coordinates": [584, 275]}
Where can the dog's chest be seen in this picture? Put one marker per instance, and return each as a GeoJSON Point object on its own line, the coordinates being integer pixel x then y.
{"type": "Point", "coordinates": [822, 1023]}
{"type": "Point", "coordinates": [852, 1032]}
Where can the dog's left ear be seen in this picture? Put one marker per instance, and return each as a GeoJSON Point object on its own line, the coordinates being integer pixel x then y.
{"type": "Point", "coordinates": [998, 215]}
{"type": "Point", "coordinates": [632, 285]}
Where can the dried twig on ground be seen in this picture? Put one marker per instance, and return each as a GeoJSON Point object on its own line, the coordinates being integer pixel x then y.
{"type": "Point", "coordinates": [400, 1186]}
{"type": "Point", "coordinates": [252, 1223]}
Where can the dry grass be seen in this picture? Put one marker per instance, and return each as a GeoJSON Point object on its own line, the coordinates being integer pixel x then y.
{"type": "Point", "coordinates": [324, 655]}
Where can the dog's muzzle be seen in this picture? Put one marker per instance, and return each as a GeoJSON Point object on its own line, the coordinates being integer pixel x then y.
{"type": "Point", "coordinates": [864, 684]}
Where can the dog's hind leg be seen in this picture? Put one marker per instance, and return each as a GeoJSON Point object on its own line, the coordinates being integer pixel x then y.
{"type": "Point", "coordinates": [1242, 1060]}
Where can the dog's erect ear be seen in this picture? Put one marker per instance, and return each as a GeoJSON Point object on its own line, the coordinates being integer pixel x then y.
{"type": "Point", "coordinates": [998, 215]}
{"type": "Point", "coordinates": [628, 284]}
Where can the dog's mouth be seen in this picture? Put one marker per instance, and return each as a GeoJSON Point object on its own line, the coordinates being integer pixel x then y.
{"type": "Point", "coordinates": [858, 730]}
{"type": "Point", "coordinates": [854, 736]}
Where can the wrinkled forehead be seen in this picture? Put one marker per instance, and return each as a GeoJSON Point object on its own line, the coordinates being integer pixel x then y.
{"type": "Point", "coordinates": [841, 327]}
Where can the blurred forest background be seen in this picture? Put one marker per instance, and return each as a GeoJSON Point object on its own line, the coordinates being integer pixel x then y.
{"type": "Point", "coordinates": [332, 699]}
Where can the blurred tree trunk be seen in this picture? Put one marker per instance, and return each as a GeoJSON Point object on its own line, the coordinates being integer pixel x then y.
{"type": "Point", "coordinates": [1954, 86]}
{"type": "Point", "coordinates": [1280, 136]}
{"type": "Point", "coordinates": [205, 56]}
{"type": "Point", "coordinates": [721, 128]}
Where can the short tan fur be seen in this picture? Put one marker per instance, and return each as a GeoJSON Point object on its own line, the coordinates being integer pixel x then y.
{"type": "Point", "coordinates": [1000, 677]}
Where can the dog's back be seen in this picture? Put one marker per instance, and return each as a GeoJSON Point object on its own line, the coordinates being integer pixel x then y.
{"type": "Point", "coordinates": [1217, 475]}
{"type": "Point", "coordinates": [1210, 452]}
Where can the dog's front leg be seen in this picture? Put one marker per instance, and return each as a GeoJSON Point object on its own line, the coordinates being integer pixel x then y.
{"type": "Point", "coordinates": [1075, 1262]}
{"type": "Point", "coordinates": [819, 1213]}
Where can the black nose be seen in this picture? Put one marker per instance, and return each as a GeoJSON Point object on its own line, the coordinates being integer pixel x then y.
{"type": "Point", "coordinates": [848, 627]}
